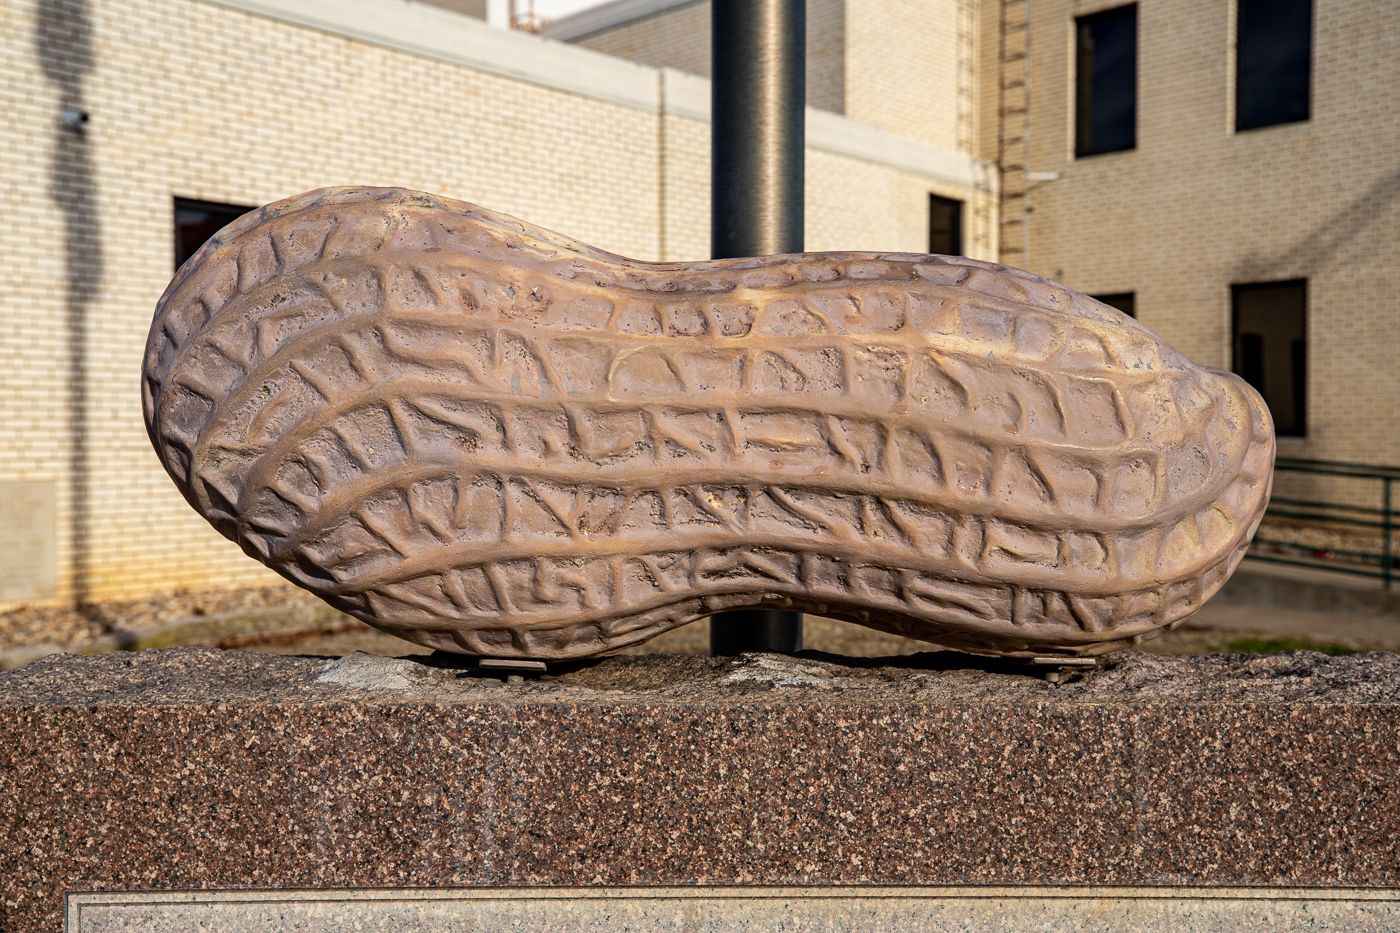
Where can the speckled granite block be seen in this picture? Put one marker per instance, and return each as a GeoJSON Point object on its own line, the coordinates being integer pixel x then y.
{"type": "Point", "coordinates": [197, 769]}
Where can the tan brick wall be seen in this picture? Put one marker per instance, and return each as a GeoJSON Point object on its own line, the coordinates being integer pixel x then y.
{"type": "Point", "coordinates": [1197, 207]}
{"type": "Point", "coordinates": [857, 205]}
{"type": "Point", "coordinates": [989, 69]}
{"type": "Point", "coordinates": [687, 167]}
{"type": "Point", "coordinates": [194, 99]}
{"type": "Point", "coordinates": [191, 99]}
{"type": "Point", "coordinates": [826, 54]}
{"type": "Point", "coordinates": [910, 67]}
{"type": "Point", "coordinates": [907, 66]}
{"type": "Point", "coordinates": [680, 38]}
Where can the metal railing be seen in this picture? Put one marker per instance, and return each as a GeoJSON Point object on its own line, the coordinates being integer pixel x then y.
{"type": "Point", "coordinates": [1321, 514]}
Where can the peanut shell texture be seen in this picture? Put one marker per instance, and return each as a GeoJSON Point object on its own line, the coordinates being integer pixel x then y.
{"type": "Point", "coordinates": [490, 439]}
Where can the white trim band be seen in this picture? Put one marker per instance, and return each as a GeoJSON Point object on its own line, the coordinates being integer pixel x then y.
{"type": "Point", "coordinates": [606, 16]}
{"type": "Point", "coordinates": [450, 37]}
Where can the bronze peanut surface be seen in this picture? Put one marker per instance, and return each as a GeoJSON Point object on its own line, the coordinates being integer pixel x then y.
{"type": "Point", "coordinates": [488, 438]}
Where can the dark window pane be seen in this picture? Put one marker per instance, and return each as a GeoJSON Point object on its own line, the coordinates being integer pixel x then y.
{"type": "Point", "coordinates": [197, 221]}
{"type": "Point", "coordinates": [1251, 362]}
{"type": "Point", "coordinates": [945, 226]}
{"type": "Point", "coordinates": [1270, 348]}
{"type": "Point", "coordinates": [1273, 62]}
{"type": "Point", "coordinates": [1106, 82]}
{"type": "Point", "coordinates": [1123, 301]}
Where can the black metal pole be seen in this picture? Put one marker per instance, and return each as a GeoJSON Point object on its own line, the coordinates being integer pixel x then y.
{"type": "Point", "coordinates": [759, 59]}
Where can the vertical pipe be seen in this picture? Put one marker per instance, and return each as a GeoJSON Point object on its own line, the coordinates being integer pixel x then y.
{"type": "Point", "coordinates": [759, 59]}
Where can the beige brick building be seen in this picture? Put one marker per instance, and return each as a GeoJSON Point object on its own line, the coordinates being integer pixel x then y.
{"type": "Point", "coordinates": [907, 66]}
{"type": "Point", "coordinates": [1198, 206]}
{"type": "Point", "coordinates": [1213, 226]}
{"type": "Point", "coordinates": [113, 108]}
{"type": "Point", "coordinates": [602, 133]}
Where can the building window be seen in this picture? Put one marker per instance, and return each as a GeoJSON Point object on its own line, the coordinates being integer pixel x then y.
{"type": "Point", "coordinates": [1123, 301]}
{"type": "Point", "coordinates": [945, 226]}
{"type": "Point", "coordinates": [1273, 62]}
{"type": "Point", "coordinates": [1270, 348]}
{"type": "Point", "coordinates": [197, 221]}
{"type": "Point", "coordinates": [1105, 102]}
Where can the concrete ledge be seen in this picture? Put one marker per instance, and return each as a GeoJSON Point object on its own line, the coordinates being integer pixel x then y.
{"type": "Point", "coordinates": [606, 16]}
{"type": "Point", "coordinates": [836, 134]}
{"type": "Point", "coordinates": [1257, 583]}
{"type": "Point", "coordinates": [190, 769]}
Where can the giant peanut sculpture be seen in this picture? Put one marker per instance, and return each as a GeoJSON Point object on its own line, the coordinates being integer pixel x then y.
{"type": "Point", "coordinates": [487, 438]}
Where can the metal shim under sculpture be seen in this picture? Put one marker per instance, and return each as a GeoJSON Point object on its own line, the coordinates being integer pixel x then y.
{"type": "Point", "coordinates": [487, 438]}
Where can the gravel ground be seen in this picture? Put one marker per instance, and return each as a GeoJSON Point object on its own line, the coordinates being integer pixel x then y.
{"type": "Point", "coordinates": [69, 626]}
{"type": "Point", "coordinates": [1208, 631]}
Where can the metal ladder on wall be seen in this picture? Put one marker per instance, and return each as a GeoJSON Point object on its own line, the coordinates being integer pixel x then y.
{"type": "Point", "coordinates": [979, 234]}
{"type": "Point", "coordinates": [1014, 130]}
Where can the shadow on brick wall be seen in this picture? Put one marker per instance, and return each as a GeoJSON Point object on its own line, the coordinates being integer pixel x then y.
{"type": "Point", "coordinates": [63, 46]}
{"type": "Point", "coordinates": [1322, 244]}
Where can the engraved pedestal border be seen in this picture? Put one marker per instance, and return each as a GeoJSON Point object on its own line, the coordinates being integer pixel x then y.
{"type": "Point", "coordinates": [713, 909]}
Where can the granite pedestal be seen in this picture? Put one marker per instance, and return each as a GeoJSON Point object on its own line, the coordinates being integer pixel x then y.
{"type": "Point", "coordinates": [193, 770]}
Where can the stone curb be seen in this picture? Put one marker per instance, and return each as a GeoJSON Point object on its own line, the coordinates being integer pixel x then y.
{"type": "Point", "coordinates": [1275, 586]}
{"type": "Point", "coordinates": [20, 655]}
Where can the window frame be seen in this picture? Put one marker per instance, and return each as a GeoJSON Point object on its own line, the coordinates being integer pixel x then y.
{"type": "Point", "coordinates": [1237, 72]}
{"type": "Point", "coordinates": [958, 234]}
{"type": "Point", "coordinates": [231, 211]}
{"type": "Point", "coordinates": [1083, 112]}
{"type": "Point", "coordinates": [1106, 298]}
{"type": "Point", "coordinates": [1299, 366]}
